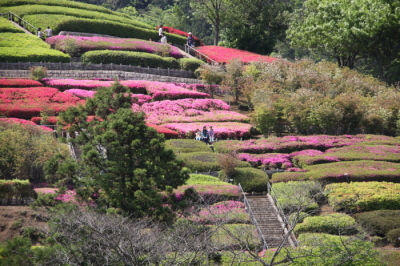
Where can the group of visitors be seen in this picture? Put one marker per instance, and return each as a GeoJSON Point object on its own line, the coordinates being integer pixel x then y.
{"type": "Point", "coordinates": [48, 32]}
{"type": "Point", "coordinates": [205, 135]}
{"type": "Point", "coordinates": [190, 38]}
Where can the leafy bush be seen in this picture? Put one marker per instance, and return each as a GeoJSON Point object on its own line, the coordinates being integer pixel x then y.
{"type": "Point", "coordinates": [223, 240]}
{"type": "Point", "coordinates": [203, 179]}
{"type": "Point", "coordinates": [203, 161]}
{"type": "Point", "coordinates": [251, 179]}
{"type": "Point", "coordinates": [298, 194]}
{"type": "Point", "coordinates": [38, 72]}
{"type": "Point", "coordinates": [379, 222]}
{"type": "Point", "coordinates": [7, 26]}
{"type": "Point", "coordinates": [366, 152]}
{"type": "Point", "coordinates": [22, 40]}
{"type": "Point", "coordinates": [24, 10]}
{"type": "Point", "coordinates": [364, 196]}
{"type": "Point", "coordinates": [127, 58]}
{"type": "Point", "coordinates": [190, 64]}
{"type": "Point", "coordinates": [67, 23]}
{"type": "Point", "coordinates": [335, 224]}
{"type": "Point", "coordinates": [345, 172]}
{"type": "Point", "coordinates": [394, 237]}
{"type": "Point", "coordinates": [20, 190]}
{"type": "Point", "coordinates": [186, 145]}
{"type": "Point", "coordinates": [21, 54]}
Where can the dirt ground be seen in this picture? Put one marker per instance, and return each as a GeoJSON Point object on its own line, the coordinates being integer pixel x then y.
{"type": "Point", "coordinates": [14, 218]}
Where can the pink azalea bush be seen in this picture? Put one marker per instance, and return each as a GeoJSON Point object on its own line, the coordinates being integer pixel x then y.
{"type": "Point", "coordinates": [170, 91]}
{"type": "Point", "coordinates": [224, 54]}
{"type": "Point", "coordinates": [222, 130]}
{"type": "Point", "coordinates": [12, 120]}
{"type": "Point", "coordinates": [85, 44]}
{"type": "Point", "coordinates": [81, 93]}
{"type": "Point", "coordinates": [366, 152]}
{"type": "Point", "coordinates": [213, 191]}
{"type": "Point", "coordinates": [269, 160]}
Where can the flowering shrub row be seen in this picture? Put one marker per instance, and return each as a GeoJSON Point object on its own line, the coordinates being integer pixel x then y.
{"type": "Point", "coordinates": [215, 191]}
{"type": "Point", "coordinates": [269, 160]}
{"type": "Point", "coordinates": [224, 54]}
{"type": "Point", "coordinates": [366, 152]}
{"type": "Point", "coordinates": [223, 130]}
{"type": "Point", "coordinates": [169, 91]}
{"type": "Point", "coordinates": [225, 211]}
{"type": "Point", "coordinates": [13, 120]}
{"type": "Point", "coordinates": [182, 33]}
{"type": "Point", "coordinates": [18, 83]}
{"type": "Point", "coordinates": [85, 44]}
{"type": "Point", "coordinates": [364, 196]}
{"type": "Point", "coordinates": [29, 102]}
{"type": "Point", "coordinates": [345, 172]}
{"type": "Point", "coordinates": [163, 130]}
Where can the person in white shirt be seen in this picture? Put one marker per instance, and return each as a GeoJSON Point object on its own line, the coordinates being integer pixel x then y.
{"type": "Point", "coordinates": [40, 33]}
{"type": "Point", "coordinates": [163, 39]}
{"type": "Point", "coordinates": [48, 32]}
{"type": "Point", "coordinates": [160, 30]}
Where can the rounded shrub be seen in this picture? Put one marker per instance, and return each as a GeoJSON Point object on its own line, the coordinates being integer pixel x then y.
{"type": "Point", "coordinates": [127, 58]}
{"type": "Point", "coordinates": [251, 179]}
{"type": "Point", "coordinates": [379, 222]}
{"type": "Point", "coordinates": [170, 62]}
{"type": "Point", "coordinates": [203, 161]}
{"type": "Point", "coordinates": [190, 64]}
{"type": "Point", "coordinates": [335, 224]}
{"type": "Point", "coordinates": [187, 145]}
{"type": "Point", "coordinates": [394, 237]}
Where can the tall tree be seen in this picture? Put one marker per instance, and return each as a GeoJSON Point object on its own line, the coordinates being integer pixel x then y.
{"type": "Point", "coordinates": [351, 30]}
{"type": "Point", "coordinates": [122, 159]}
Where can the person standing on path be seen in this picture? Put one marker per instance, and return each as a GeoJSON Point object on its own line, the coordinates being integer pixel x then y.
{"type": "Point", "coordinates": [204, 135]}
{"type": "Point", "coordinates": [190, 40]}
{"type": "Point", "coordinates": [211, 134]}
{"type": "Point", "coordinates": [160, 30]}
{"type": "Point", "coordinates": [48, 32]}
{"type": "Point", "coordinates": [163, 38]}
{"type": "Point", "coordinates": [40, 33]}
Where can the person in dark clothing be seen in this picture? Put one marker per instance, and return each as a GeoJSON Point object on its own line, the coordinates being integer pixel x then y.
{"type": "Point", "coordinates": [190, 40]}
{"type": "Point", "coordinates": [204, 135]}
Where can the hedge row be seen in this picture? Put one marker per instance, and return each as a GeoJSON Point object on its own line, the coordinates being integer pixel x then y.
{"type": "Point", "coordinates": [21, 54]}
{"type": "Point", "coordinates": [7, 26]}
{"type": "Point", "coordinates": [64, 3]}
{"type": "Point", "coordinates": [388, 153]}
{"type": "Point", "coordinates": [335, 224]}
{"type": "Point", "coordinates": [379, 222]}
{"type": "Point", "coordinates": [19, 190]}
{"type": "Point", "coordinates": [364, 196]}
{"type": "Point", "coordinates": [129, 58]}
{"type": "Point", "coordinates": [68, 23]}
{"type": "Point", "coordinates": [203, 161]}
{"type": "Point", "coordinates": [251, 179]}
{"type": "Point", "coordinates": [25, 10]}
{"type": "Point", "coordinates": [225, 237]}
{"type": "Point", "coordinates": [190, 64]}
{"type": "Point", "coordinates": [186, 145]}
{"type": "Point", "coordinates": [345, 172]}
{"type": "Point", "coordinates": [22, 40]}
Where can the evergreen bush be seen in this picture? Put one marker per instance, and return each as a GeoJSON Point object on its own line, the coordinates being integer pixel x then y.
{"type": "Point", "coordinates": [394, 237]}
{"type": "Point", "coordinates": [22, 54]}
{"type": "Point", "coordinates": [190, 64]}
{"type": "Point", "coordinates": [335, 224]}
{"type": "Point", "coordinates": [379, 222]}
{"type": "Point", "coordinates": [186, 145]}
{"type": "Point", "coordinates": [251, 179]}
{"type": "Point", "coordinates": [203, 161]}
{"type": "Point", "coordinates": [7, 26]}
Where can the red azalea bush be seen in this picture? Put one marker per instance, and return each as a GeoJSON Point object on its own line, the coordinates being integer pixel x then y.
{"type": "Point", "coordinates": [136, 86]}
{"type": "Point", "coordinates": [13, 120]}
{"type": "Point", "coordinates": [224, 54]}
{"type": "Point", "coordinates": [18, 83]}
{"type": "Point", "coordinates": [182, 33]}
{"type": "Point", "coordinates": [163, 130]}
{"type": "Point", "coordinates": [29, 102]}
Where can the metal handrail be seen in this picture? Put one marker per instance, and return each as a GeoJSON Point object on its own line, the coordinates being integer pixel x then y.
{"type": "Point", "coordinates": [72, 150]}
{"type": "Point", "coordinates": [253, 218]}
{"type": "Point", "coordinates": [189, 49]}
{"type": "Point", "coordinates": [281, 213]}
{"type": "Point", "coordinates": [23, 23]}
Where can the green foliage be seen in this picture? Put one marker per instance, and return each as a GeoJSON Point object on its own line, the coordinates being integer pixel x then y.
{"type": "Point", "coordinates": [24, 151]}
{"type": "Point", "coordinates": [203, 161]}
{"type": "Point", "coordinates": [251, 179]}
{"type": "Point", "coordinates": [7, 26]}
{"type": "Point", "coordinates": [186, 145]}
{"type": "Point", "coordinates": [21, 54]}
{"type": "Point", "coordinates": [335, 224]}
{"type": "Point", "coordinates": [379, 222]}
{"type": "Point", "coordinates": [68, 23]}
{"type": "Point", "coordinates": [225, 237]}
{"type": "Point", "coordinates": [21, 40]}
{"type": "Point", "coordinates": [38, 72]}
{"type": "Point", "coordinates": [203, 179]}
{"type": "Point", "coordinates": [190, 64]}
{"type": "Point", "coordinates": [355, 171]}
{"type": "Point", "coordinates": [45, 200]}
{"type": "Point", "coordinates": [327, 250]}
{"type": "Point", "coordinates": [394, 237]}
{"type": "Point", "coordinates": [24, 10]}
{"type": "Point", "coordinates": [19, 190]}
{"type": "Point", "coordinates": [364, 196]}
{"type": "Point", "coordinates": [297, 196]}
{"type": "Point", "coordinates": [128, 58]}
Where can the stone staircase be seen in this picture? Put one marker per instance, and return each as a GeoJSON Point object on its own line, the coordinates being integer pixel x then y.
{"type": "Point", "coordinates": [269, 221]}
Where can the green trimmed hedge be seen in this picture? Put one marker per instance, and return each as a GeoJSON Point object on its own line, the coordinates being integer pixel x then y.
{"type": "Point", "coordinates": [21, 54]}
{"type": "Point", "coordinates": [186, 145]}
{"type": "Point", "coordinates": [195, 179]}
{"type": "Point", "coordinates": [251, 179]}
{"type": "Point", "coordinates": [68, 23]}
{"type": "Point", "coordinates": [364, 196]}
{"type": "Point", "coordinates": [335, 224]}
{"type": "Point", "coordinates": [379, 222]}
{"type": "Point", "coordinates": [25, 10]}
{"type": "Point", "coordinates": [394, 237]}
{"type": "Point", "coordinates": [127, 58]}
{"type": "Point", "coordinates": [65, 3]}
{"type": "Point", "coordinates": [345, 172]}
{"type": "Point", "coordinates": [16, 189]}
{"type": "Point", "coordinates": [388, 153]}
{"type": "Point", "coordinates": [203, 161]}
{"type": "Point", "coordinates": [7, 26]}
{"type": "Point", "coordinates": [298, 194]}
{"type": "Point", "coordinates": [225, 241]}
{"type": "Point", "coordinates": [190, 64]}
{"type": "Point", "coordinates": [22, 40]}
